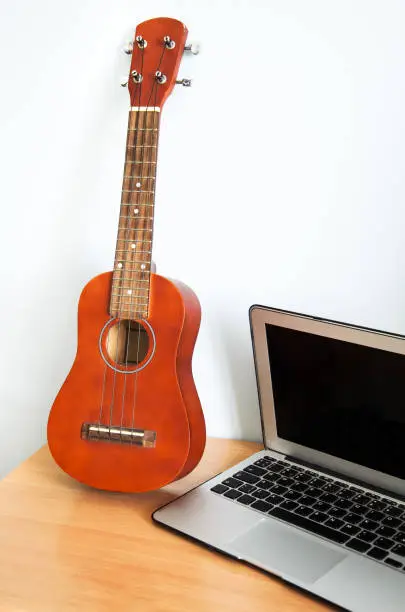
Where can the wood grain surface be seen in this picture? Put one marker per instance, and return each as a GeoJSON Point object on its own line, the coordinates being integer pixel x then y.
{"type": "Point", "coordinates": [67, 547]}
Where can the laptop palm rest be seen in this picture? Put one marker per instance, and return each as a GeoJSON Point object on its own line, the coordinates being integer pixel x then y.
{"type": "Point", "coordinates": [286, 551]}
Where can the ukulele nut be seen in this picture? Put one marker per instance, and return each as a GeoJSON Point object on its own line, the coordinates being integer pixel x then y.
{"type": "Point", "coordinates": [121, 435]}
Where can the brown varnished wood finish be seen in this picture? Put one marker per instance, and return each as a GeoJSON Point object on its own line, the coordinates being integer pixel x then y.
{"type": "Point", "coordinates": [186, 380]}
{"type": "Point", "coordinates": [166, 399]}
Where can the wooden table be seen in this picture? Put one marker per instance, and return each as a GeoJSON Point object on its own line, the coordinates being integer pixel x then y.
{"type": "Point", "coordinates": [64, 546]}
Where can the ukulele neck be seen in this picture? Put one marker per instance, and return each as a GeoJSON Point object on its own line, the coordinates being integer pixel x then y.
{"type": "Point", "coordinates": [133, 255]}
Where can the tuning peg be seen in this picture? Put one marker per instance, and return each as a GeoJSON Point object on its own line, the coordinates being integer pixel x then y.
{"type": "Point", "coordinates": [129, 47]}
{"type": "Point", "coordinates": [193, 48]}
{"type": "Point", "coordinates": [124, 81]}
{"type": "Point", "coordinates": [184, 82]}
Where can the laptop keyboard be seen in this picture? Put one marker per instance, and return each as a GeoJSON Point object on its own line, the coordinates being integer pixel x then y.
{"type": "Point", "coordinates": [362, 521]}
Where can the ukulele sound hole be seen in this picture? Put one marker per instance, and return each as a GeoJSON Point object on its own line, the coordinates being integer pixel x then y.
{"type": "Point", "coordinates": [127, 342]}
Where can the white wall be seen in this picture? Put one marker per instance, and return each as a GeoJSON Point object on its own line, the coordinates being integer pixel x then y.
{"type": "Point", "coordinates": [281, 181]}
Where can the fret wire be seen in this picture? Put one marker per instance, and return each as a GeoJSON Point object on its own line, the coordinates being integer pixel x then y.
{"type": "Point", "coordinates": [130, 269]}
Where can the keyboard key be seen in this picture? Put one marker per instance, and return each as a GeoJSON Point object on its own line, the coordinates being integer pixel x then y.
{"type": "Point", "coordinates": [233, 493]}
{"type": "Point", "coordinates": [377, 553]}
{"type": "Point", "coordinates": [232, 482]}
{"type": "Point", "coordinates": [376, 504]}
{"type": "Point", "coordinates": [350, 529]}
{"type": "Point", "coordinates": [384, 543]}
{"type": "Point", "coordinates": [321, 506]}
{"type": "Point", "coordinates": [319, 517]}
{"type": "Point", "coordinates": [290, 472]}
{"type": "Point", "coordinates": [331, 487]}
{"type": "Point", "coordinates": [337, 512]}
{"type": "Point", "coordinates": [358, 545]}
{"type": "Point", "coordinates": [278, 489]}
{"type": "Point", "coordinates": [305, 523]}
{"type": "Point", "coordinates": [263, 462]}
{"type": "Point", "coordinates": [219, 488]}
{"type": "Point", "coordinates": [374, 515]}
{"type": "Point", "coordinates": [317, 482]}
{"type": "Point", "coordinates": [274, 499]}
{"type": "Point", "coordinates": [246, 499]}
{"type": "Point", "coordinates": [260, 493]}
{"type": "Point", "coordinates": [359, 509]}
{"type": "Point", "coordinates": [343, 503]}
{"type": "Point", "coordinates": [303, 510]}
{"type": "Point", "coordinates": [393, 562]}
{"type": "Point", "coordinates": [329, 498]}
{"type": "Point", "coordinates": [271, 477]}
{"type": "Point", "coordinates": [313, 492]}
{"type": "Point", "coordinates": [254, 469]}
{"type": "Point", "coordinates": [264, 506]}
{"type": "Point", "coordinates": [293, 495]}
{"type": "Point", "coordinates": [247, 488]}
{"type": "Point", "coordinates": [289, 505]}
{"type": "Point", "coordinates": [249, 478]}
{"type": "Point", "coordinates": [285, 482]}
{"type": "Point", "coordinates": [307, 500]}
{"type": "Point", "coordinates": [335, 523]}
{"type": "Point", "coordinates": [387, 532]}
{"type": "Point", "coordinates": [366, 536]}
{"type": "Point", "coordinates": [304, 476]}
{"type": "Point", "coordinates": [369, 525]}
{"type": "Point", "coordinates": [394, 511]}
{"type": "Point", "coordinates": [276, 467]}
{"type": "Point", "coordinates": [361, 498]}
{"type": "Point", "coordinates": [264, 484]}
{"type": "Point", "coordinates": [399, 549]}
{"type": "Point", "coordinates": [300, 487]}
{"type": "Point", "coordinates": [347, 493]}
{"type": "Point", "coordinates": [399, 537]}
{"type": "Point", "coordinates": [391, 521]}
{"type": "Point", "coordinates": [352, 518]}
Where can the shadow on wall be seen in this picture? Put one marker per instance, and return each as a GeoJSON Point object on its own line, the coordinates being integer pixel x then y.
{"type": "Point", "coordinates": [238, 349]}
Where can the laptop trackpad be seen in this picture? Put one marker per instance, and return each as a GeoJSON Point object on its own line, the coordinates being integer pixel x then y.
{"type": "Point", "coordinates": [286, 551]}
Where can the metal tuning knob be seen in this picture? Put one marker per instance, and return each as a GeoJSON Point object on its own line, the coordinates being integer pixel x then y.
{"type": "Point", "coordinates": [193, 48]}
{"type": "Point", "coordinates": [136, 77]}
{"type": "Point", "coordinates": [124, 81]}
{"type": "Point", "coordinates": [184, 82]}
{"type": "Point", "coordinates": [129, 47]}
{"type": "Point", "coordinates": [160, 77]}
{"type": "Point", "coordinates": [141, 42]}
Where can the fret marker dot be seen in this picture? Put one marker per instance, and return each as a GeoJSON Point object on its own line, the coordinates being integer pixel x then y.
{"type": "Point", "coordinates": [129, 291]}
{"type": "Point", "coordinates": [119, 265]}
{"type": "Point", "coordinates": [138, 185]}
{"type": "Point", "coordinates": [133, 246]}
{"type": "Point", "coordinates": [136, 211]}
{"type": "Point", "coordinates": [143, 266]}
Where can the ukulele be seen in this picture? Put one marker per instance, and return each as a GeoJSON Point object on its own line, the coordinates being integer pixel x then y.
{"type": "Point", "coordinates": [128, 417]}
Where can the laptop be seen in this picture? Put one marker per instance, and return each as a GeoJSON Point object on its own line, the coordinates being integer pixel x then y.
{"type": "Point", "coordinates": [323, 505]}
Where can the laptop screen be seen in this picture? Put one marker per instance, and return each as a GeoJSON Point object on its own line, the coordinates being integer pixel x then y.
{"type": "Point", "coordinates": [339, 398]}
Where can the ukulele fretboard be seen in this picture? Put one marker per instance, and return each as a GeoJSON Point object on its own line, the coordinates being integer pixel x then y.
{"type": "Point", "coordinates": [133, 255]}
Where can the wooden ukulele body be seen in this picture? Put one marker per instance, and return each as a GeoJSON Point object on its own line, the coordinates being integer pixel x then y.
{"type": "Point", "coordinates": [156, 395]}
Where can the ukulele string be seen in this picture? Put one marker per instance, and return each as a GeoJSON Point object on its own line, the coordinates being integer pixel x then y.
{"type": "Point", "coordinates": [138, 196]}
{"type": "Point", "coordinates": [154, 90]}
{"type": "Point", "coordinates": [127, 228]}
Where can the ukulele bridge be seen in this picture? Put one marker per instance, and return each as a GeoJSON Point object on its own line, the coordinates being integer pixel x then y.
{"type": "Point", "coordinates": [120, 435]}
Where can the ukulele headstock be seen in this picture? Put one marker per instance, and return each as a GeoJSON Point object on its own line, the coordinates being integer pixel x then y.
{"type": "Point", "coordinates": [156, 51]}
